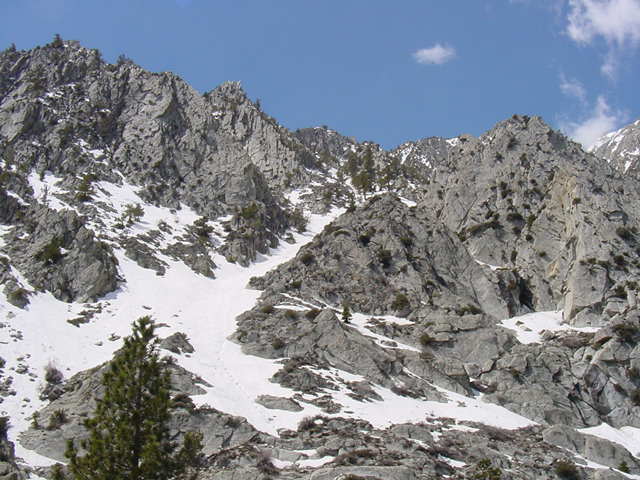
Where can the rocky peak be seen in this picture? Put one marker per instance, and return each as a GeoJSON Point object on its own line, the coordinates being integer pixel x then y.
{"type": "Point", "coordinates": [67, 116]}
{"type": "Point", "coordinates": [42, 68]}
{"type": "Point", "coordinates": [328, 144]}
{"type": "Point", "coordinates": [228, 92]}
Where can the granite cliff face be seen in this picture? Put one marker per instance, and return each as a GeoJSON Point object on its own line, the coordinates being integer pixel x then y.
{"type": "Point", "coordinates": [457, 307]}
{"type": "Point", "coordinates": [525, 198]}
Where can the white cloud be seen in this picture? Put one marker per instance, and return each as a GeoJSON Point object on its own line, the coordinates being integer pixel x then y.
{"type": "Point", "coordinates": [603, 119]}
{"type": "Point", "coordinates": [615, 21]}
{"type": "Point", "coordinates": [610, 65]}
{"type": "Point", "coordinates": [618, 21]}
{"type": "Point", "coordinates": [573, 88]}
{"type": "Point", "coordinates": [436, 55]}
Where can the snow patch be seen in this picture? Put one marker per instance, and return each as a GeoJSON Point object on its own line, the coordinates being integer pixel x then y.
{"type": "Point", "coordinates": [20, 200]}
{"type": "Point", "coordinates": [360, 322]}
{"type": "Point", "coordinates": [407, 202]}
{"type": "Point", "coordinates": [118, 198]}
{"type": "Point", "coordinates": [492, 267]}
{"type": "Point", "coordinates": [4, 229]}
{"type": "Point", "coordinates": [46, 189]}
{"type": "Point", "coordinates": [452, 462]}
{"type": "Point", "coordinates": [529, 327]}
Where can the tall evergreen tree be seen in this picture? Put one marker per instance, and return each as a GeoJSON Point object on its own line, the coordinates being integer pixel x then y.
{"type": "Point", "coordinates": [129, 433]}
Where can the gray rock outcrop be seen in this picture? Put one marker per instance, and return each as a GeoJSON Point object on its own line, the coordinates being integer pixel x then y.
{"type": "Point", "coordinates": [65, 112]}
{"type": "Point", "coordinates": [9, 469]}
{"type": "Point", "coordinates": [596, 449]}
{"type": "Point", "coordinates": [51, 430]}
{"type": "Point", "coordinates": [58, 253]}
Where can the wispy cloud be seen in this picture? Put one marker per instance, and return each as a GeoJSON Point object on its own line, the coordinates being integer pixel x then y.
{"type": "Point", "coordinates": [602, 119]}
{"type": "Point", "coordinates": [436, 55]}
{"type": "Point", "coordinates": [615, 21]}
{"type": "Point", "coordinates": [573, 88]}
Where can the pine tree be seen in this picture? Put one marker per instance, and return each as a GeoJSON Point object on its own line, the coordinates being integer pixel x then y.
{"type": "Point", "coordinates": [346, 313]}
{"type": "Point", "coordinates": [129, 434]}
{"type": "Point", "coordinates": [57, 41]}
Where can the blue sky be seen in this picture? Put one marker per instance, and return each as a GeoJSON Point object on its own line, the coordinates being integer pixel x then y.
{"type": "Point", "coordinates": [377, 70]}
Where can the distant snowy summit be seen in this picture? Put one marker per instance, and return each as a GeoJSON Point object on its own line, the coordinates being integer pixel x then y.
{"type": "Point", "coordinates": [621, 148]}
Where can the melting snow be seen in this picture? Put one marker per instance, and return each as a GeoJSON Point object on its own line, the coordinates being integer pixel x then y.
{"type": "Point", "coordinates": [203, 308]}
{"type": "Point", "coordinates": [598, 466]}
{"type": "Point", "coordinates": [45, 190]}
{"type": "Point", "coordinates": [405, 152]}
{"type": "Point", "coordinates": [452, 462]}
{"type": "Point", "coordinates": [360, 321]}
{"type": "Point", "coordinates": [529, 327]}
{"type": "Point", "coordinates": [120, 197]}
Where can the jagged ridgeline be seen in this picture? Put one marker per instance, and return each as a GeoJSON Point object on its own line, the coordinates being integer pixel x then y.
{"type": "Point", "coordinates": [427, 279]}
{"type": "Point", "coordinates": [67, 114]}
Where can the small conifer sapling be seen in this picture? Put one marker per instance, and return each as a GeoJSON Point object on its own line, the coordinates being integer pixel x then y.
{"type": "Point", "coordinates": [346, 313]}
